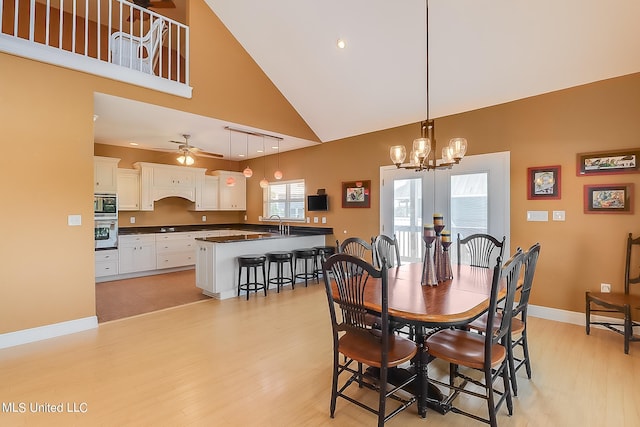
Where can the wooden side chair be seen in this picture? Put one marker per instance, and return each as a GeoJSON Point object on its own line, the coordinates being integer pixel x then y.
{"type": "Point", "coordinates": [386, 247]}
{"type": "Point", "coordinates": [518, 320]}
{"type": "Point", "coordinates": [362, 342]}
{"type": "Point", "coordinates": [617, 302]}
{"type": "Point", "coordinates": [356, 246]}
{"type": "Point", "coordinates": [480, 250]}
{"type": "Point", "coordinates": [487, 352]}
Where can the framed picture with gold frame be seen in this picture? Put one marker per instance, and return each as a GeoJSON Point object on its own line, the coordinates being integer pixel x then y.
{"type": "Point", "coordinates": [356, 194]}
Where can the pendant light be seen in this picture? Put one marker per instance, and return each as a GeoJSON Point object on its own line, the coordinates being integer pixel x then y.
{"type": "Point", "coordinates": [247, 172]}
{"type": "Point", "coordinates": [230, 181]}
{"type": "Point", "coordinates": [263, 182]}
{"type": "Point", "coordinates": [278, 173]}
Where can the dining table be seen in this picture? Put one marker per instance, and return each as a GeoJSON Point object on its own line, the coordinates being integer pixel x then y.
{"type": "Point", "coordinates": [451, 303]}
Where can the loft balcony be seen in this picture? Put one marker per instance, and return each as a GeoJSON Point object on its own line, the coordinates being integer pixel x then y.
{"type": "Point", "coordinates": [109, 38]}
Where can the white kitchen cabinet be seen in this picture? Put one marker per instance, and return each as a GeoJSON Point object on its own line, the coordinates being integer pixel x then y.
{"type": "Point", "coordinates": [175, 249]}
{"type": "Point", "coordinates": [106, 263]}
{"type": "Point", "coordinates": [207, 193]}
{"type": "Point", "coordinates": [204, 266]}
{"type": "Point", "coordinates": [105, 174]}
{"type": "Point", "coordinates": [128, 190]}
{"type": "Point", "coordinates": [231, 198]}
{"type": "Point", "coordinates": [158, 181]}
{"type": "Point", "coordinates": [136, 252]}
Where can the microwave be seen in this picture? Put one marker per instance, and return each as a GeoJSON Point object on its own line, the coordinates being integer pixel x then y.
{"type": "Point", "coordinates": [105, 206]}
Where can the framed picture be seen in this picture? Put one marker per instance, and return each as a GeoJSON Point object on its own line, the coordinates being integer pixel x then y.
{"type": "Point", "coordinates": [543, 183]}
{"type": "Point", "coordinates": [608, 198]}
{"type": "Point", "coordinates": [356, 194]}
{"type": "Point", "coordinates": [609, 162]}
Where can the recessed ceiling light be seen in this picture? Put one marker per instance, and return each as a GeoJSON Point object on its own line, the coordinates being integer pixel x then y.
{"type": "Point", "coordinates": [240, 155]}
{"type": "Point", "coordinates": [260, 151]}
{"type": "Point", "coordinates": [341, 43]}
{"type": "Point", "coordinates": [133, 143]}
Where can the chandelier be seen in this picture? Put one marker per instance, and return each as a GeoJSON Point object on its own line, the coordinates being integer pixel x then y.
{"type": "Point", "coordinates": [423, 153]}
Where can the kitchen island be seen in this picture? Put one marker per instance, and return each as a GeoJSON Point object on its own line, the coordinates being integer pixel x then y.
{"type": "Point", "coordinates": [216, 265]}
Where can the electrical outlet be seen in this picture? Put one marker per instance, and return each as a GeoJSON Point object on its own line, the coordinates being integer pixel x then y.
{"type": "Point", "coordinates": [204, 218]}
{"type": "Point", "coordinates": [605, 287]}
{"type": "Point", "coordinates": [132, 220]}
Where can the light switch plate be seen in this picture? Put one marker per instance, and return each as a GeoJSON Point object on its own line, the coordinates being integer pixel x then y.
{"type": "Point", "coordinates": [558, 215]}
{"type": "Point", "coordinates": [538, 216]}
{"type": "Point", "coordinates": [74, 220]}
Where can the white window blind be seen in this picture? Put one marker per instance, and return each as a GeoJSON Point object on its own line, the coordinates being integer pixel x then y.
{"type": "Point", "coordinates": [285, 199]}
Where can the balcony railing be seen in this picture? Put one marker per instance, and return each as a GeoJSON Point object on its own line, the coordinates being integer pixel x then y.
{"type": "Point", "coordinates": [110, 38]}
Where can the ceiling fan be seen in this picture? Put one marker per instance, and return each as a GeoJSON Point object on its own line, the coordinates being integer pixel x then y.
{"type": "Point", "coordinates": [187, 152]}
{"type": "Point", "coordinates": [148, 4]}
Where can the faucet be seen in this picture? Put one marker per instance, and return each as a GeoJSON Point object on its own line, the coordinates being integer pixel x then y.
{"type": "Point", "coordinates": [280, 225]}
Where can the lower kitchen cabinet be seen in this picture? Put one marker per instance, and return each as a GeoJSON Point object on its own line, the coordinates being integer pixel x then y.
{"type": "Point", "coordinates": [106, 263]}
{"type": "Point", "coordinates": [136, 252]}
{"type": "Point", "coordinates": [175, 250]}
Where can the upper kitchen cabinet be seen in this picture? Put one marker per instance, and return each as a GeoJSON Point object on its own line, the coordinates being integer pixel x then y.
{"type": "Point", "coordinates": [206, 193]}
{"type": "Point", "coordinates": [158, 181]}
{"type": "Point", "coordinates": [105, 171]}
{"type": "Point", "coordinates": [231, 198]}
{"type": "Point", "coordinates": [128, 190]}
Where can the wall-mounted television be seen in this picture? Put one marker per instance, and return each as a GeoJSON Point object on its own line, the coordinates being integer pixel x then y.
{"type": "Point", "coordinates": [317, 202]}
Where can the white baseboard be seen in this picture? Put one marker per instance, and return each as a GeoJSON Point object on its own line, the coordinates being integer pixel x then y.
{"type": "Point", "coordinates": [49, 331]}
{"type": "Point", "coordinates": [566, 316]}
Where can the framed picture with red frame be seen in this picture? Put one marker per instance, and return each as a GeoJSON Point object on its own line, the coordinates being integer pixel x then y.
{"type": "Point", "coordinates": [543, 182]}
{"type": "Point", "coordinates": [608, 198]}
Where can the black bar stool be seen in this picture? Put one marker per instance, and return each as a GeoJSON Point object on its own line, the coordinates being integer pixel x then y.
{"type": "Point", "coordinates": [251, 262]}
{"type": "Point", "coordinates": [322, 253]}
{"type": "Point", "coordinates": [280, 258]}
{"type": "Point", "coordinates": [305, 255]}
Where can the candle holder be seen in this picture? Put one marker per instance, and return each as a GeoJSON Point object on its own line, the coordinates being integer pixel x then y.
{"type": "Point", "coordinates": [444, 270]}
{"type": "Point", "coordinates": [428, 276]}
{"type": "Point", "coordinates": [437, 251]}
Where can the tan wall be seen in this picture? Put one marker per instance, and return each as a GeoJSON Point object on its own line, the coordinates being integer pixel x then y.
{"type": "Point", "coordinates": [551, 129]}
{"type": "Point", "coordinates": [46, 118]}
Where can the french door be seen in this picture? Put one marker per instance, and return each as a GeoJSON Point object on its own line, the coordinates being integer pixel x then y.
{"type": "Point", "coordinates": [473, 197]}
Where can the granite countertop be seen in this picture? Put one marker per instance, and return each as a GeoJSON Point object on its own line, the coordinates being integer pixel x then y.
{"type": "Point", "coordinates": [268, 231]}
{"type": "Point", "coordinates": [246, 237]}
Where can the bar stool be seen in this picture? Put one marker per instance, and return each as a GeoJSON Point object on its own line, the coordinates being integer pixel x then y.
{"type": "Point", "coordinates": [251, 262]}
{"type": "Point", "coordinates": [322, 253]}
{"type": "Point", "coordinates": [306, 255]}
{"type": "Point", "coordinates": [280, 258]}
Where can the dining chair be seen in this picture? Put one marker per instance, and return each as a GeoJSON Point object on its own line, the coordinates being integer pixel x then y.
{"type": "Point", "coordinates": [386, 247]}
{"type": "Point", "coordinates": [480, 250]}
{"type": "Point", "coordinates": [617, 302]}
{"type": "Point", "coordinates": [362, 342]}
{"type": "Point", "coordinates": [356, 246]}
{"type": "Point", "coordinates": [488, 352]}
{"type": "Point", "coordinates": [138, 53]}
{"type": "Point", "coordinates": [518, 320]}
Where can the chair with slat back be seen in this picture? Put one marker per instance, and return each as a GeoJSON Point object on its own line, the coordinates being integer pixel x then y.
{"type": "Point", "coordinates": [356, 246]}
{"type": "Point", "coordinates": [623, 303]}
{"type": "Point", "coordinates": [386, 247]}
{"type": "Point", "coordinates": [518, 320]}
{"type": "Point", "coordinates": [488, 352]}
{"type": "Point", "coordinates": [362, 342]}
{"type": "Point", "coordinates": [138, 53]}
{"type": "Point", "coordinates": [479, 250]}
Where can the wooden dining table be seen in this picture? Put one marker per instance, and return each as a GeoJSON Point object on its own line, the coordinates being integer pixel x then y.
{"type": "Point", "coordinates": [451, 303]}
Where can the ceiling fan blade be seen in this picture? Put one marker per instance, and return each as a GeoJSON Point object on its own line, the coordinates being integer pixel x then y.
{"type": "Point", "coordinates": [201, 153]}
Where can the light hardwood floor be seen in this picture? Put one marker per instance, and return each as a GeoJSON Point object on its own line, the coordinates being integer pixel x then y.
{"type": "Point", "coordinates": [267, 362]}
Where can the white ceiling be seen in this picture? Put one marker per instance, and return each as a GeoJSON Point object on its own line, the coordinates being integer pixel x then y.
{"type": "Point", "coordinates": [481, 53]}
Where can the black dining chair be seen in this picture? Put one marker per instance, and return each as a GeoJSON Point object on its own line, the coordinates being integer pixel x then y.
{"type": "Point", "coordinates": [487, 353]}
{"type": "Point", "coordinates": [479, 250]}
{"type": "Point", "coordinates": [617, 302]}
{"type": "Point", "coordinates": [518, 320]}
{"type": "Point", "coordinates": [363, 342]}
{"type": "Point", "coordinates": [386, 247]}
{"type": "Point", "coordinates": [356, 246]}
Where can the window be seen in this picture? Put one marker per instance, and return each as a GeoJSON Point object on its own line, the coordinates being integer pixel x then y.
{"type": "Point", "coordinates": [285, 199]}
{"type": "Point", "coordinates": [469, 204]}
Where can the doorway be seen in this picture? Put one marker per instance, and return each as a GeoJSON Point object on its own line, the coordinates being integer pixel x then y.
{"type": "Point", "coordinates": [473, 197]}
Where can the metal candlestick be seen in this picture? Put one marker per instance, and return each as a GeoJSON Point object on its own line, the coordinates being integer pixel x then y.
{"type": "Point", "coordinates": [428, 268]}
{"type": "Point", "coordinates": [437, 252]}
{"type": "Point", "coordinates": [444, 270]}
